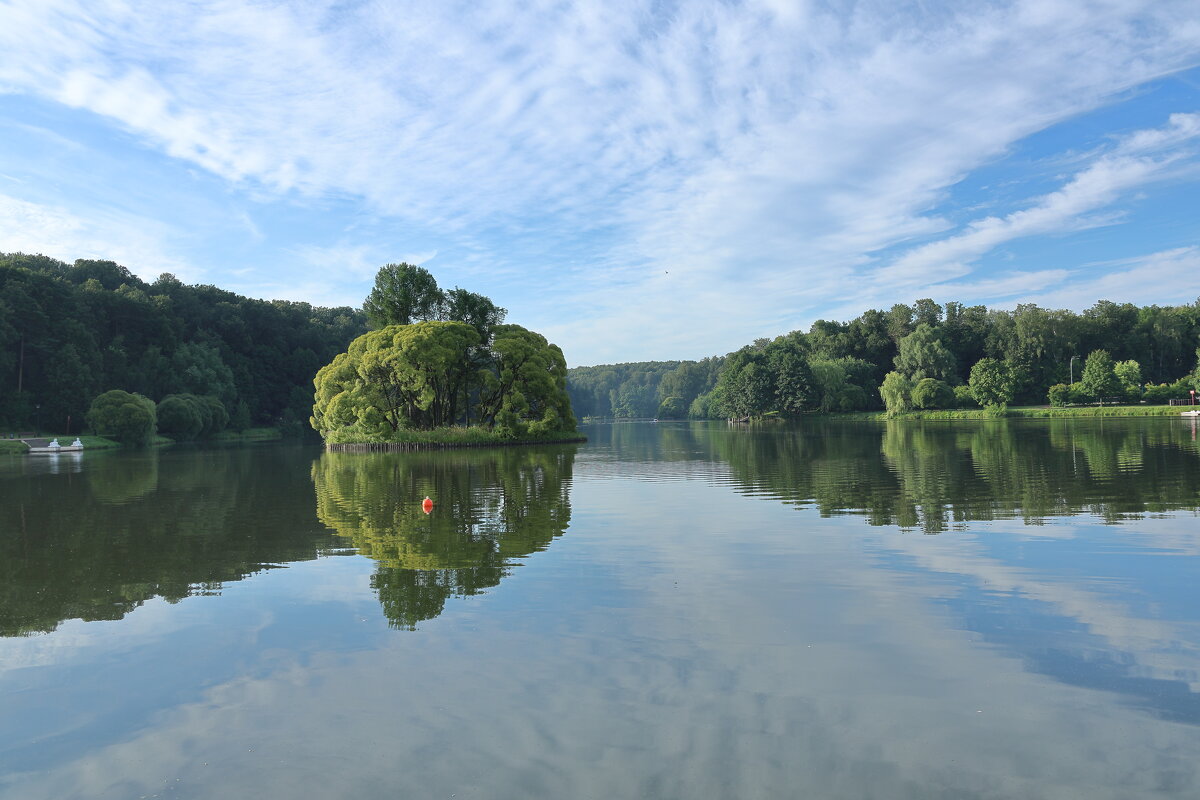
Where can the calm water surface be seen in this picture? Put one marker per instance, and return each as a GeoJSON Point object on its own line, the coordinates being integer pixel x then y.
{"type": "Point", "coordinates": [1004, 609]}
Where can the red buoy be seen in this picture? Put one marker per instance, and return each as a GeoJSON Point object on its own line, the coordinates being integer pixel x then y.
{"type": "Point", "coordinates": [427, 505]}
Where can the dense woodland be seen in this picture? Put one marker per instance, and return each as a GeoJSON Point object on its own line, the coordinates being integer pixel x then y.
{"type": "Point", "coordinates": [923, 356]}
{"type": "Point", "coordinates": [69, 332]}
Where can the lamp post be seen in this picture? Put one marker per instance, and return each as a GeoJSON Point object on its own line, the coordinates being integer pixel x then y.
{"type": "Point", "coordinates": [1073, 368]}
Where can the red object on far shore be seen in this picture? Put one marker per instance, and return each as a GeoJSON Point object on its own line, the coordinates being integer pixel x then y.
{"type": "Point", "coordinates": [427, 505]}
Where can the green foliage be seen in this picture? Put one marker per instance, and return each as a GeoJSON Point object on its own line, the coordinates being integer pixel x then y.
{"type": "Point", "coordinates": [1099, 379]}
{"type": "Point", "coordinates": [671, 408]}
{"type": "Point", "coordinates": [792, 377]}
{"type": "Point", "coordinates": [993, 382]}
{"type": "Point", "coordinates": [199, 369]}
{"type": "Point", "coordinates": [746, 387]}
{"type": "Point", "coordinates": [1165, 392]}
{"type": "Point", "coordinates": [189, 416]}
{"type": "Point", "coordinates": [1129, 374]}
{"type": "Point", "coordinates": [426, 376]}
{"type": "Point", "coordinates": [702, 407]}
{"type": "Point", "coordinates": [635, 390]}
{"type": "Point", "coordinates": [525, 386]}
{"type": "Point", "coordinates": [218, 417]}
{"type": "Point", "coordinates": [932, 393]}
{"type": "Point", "coordinates": [479, 312]}
{"type": "Point", "coordinates": [179, 418]}
{"type": "Point", "coordinates": [69, 331]}
{"type": "Point", "coordinates": [403, 294]}
{"type": "Point", "coordinates": [896, 390]}
{"type": "Point", "coordinates": [1059, 395]}
{"type": "Point", "coordinates": [922, 355]}
{"type": "Point", "coordinates": [240, 419]}
{"type": "Point", "coordinates": [841, 384]}
{"type": "Point", "coordinates": [127, 418]}
{"type": "Point", "coordinates": [963, 397]}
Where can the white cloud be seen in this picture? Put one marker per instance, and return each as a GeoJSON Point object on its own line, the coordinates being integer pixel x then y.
{"type": "Point", "coordinates": [1167, 277]}
{"type": "Point", "coordinates": [60, 233]}
{"type": "Point", "coordinates": [759, 153]}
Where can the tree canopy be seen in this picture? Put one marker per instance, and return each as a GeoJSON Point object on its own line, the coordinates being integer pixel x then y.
{"type": "Point", "coordinates": [405, 293]}
{"type": "Point", "coordinates": [1027, 350]}
{"type": "Point", "coordinates": [69, 332]}
{"type": "Point", "coordinates": [437, 373]}
{"type": "Point", "coordinates": [123, 417]}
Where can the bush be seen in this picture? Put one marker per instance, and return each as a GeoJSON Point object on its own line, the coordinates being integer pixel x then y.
{"type": "Point", "coordinates": [963, 397]}
{"type": "Point", "coordinates": [1060, 395]}
{"type": "Point", "coordinates": [123, 417]}
{"type": "Point", "coordinates": [179, 418]}
{"type": "Point", "coordinates": [1163, 392]}
{"type": "Point", "coordinates": [1077, 395]}
{"type": "Point", "coordinates": [932, 393]}
{"type": "Point", "coordinates": [190, 416]}
{"type": "Point", "coordinates": [671, 408]}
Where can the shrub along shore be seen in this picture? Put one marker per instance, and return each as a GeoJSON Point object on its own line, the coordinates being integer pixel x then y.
{"type": "Point", "coordinates": [1025, 412]}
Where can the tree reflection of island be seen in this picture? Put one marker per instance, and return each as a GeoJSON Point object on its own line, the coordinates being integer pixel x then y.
{"type": "Point", "coordinates": [493, 507]}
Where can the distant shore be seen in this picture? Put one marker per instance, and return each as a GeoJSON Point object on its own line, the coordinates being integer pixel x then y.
{"type": "Point", "coordinates": [1017, 412]}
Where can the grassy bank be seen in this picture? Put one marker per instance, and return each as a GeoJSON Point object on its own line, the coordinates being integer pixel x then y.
{"type": "Point", "coordinates": [444, 438]}
{"type": "Point", "coordinates": [1022, 412]}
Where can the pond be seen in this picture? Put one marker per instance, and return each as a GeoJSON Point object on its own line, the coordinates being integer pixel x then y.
{"type": "Point", "coordinates": [994, 609]}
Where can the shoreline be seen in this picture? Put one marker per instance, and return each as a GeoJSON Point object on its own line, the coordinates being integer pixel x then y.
{"type": "Point", "coordinates": [1023, 412]}
{"type": "Point", "coordinates": [398, 447]}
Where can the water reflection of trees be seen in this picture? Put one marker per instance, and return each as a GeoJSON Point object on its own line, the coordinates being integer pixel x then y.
{"type": "Point", "coordinates": [931, 475]}
{"type": "Point", "coordinates": [97, 543]}
{"type": "Point", "coordinates": [493, 507]}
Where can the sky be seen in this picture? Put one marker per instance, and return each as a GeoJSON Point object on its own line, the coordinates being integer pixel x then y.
{"type": "Point", "coordinates": [636, 180]}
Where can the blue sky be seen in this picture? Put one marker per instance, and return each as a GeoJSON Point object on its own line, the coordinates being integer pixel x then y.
{"type": "Point", "coordinates": [636, 180]}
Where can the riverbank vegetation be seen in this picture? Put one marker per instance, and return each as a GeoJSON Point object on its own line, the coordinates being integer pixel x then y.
{"type": "Point", "coordinates": [923, 357]}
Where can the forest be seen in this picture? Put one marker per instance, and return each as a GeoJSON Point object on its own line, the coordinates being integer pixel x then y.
{"type": "Point", "coordinates": [923, 355]}
{"type": "Point", "coordinates": [69, 332]}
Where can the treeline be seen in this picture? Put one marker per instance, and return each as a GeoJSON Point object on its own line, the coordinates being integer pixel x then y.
{"type": "Point", "coordinates": [70, 332]}
{"type": "Point", "coordinates": [664, 389]}
{"type": "Point", "coordinates": [923, 355]}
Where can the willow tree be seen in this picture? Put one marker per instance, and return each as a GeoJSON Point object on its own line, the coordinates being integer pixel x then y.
{"type": "Point", "coordinates": [398, 377]}
{"type": "Point", "coordinates": [428, 375]}
{"type": "Point", "coordinates": [525, 390]}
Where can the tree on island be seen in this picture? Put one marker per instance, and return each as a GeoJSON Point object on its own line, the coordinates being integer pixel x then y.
{"type": "Point", "coordinates": [424, 376]}
{"type": "Point", "coordinates": [405, 293]}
